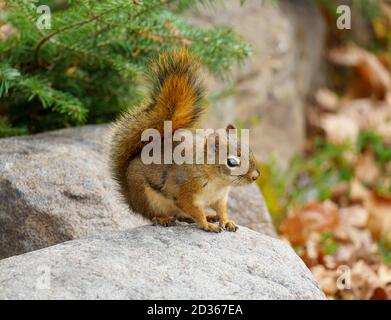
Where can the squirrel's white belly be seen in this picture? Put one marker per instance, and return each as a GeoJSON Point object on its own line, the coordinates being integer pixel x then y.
{"type": "Point", "coordinates": [211, 194]}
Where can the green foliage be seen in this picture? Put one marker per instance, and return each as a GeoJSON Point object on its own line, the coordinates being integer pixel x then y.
{"type": "Point", "coordinates": [369, 8]}
{"type": "Point", "coordinates": [8, 78]}
{"type": "Point", "coordinates": [369, 140]}
{"type": "Point", "coordinates": [385, 250]}
{"type": "Point", "coordinates": [310, 178]}
{"type": "Point", "coordinates": [328, 243]}
{"type": "Point", "coordinates": [89, 66]}
{"type": "Point", "coordinates": [6, 130]}
{"type": "Point", "coordinates": [375, 142]}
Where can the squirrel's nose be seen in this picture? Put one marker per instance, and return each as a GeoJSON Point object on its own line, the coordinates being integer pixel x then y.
{"type": "Point", "coordinates": [255, 174]}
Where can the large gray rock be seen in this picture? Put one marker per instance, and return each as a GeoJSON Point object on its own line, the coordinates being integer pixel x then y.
{"type": "Point", "coordinates": [153, 262]}
{"type": "Point", "coordinates": [247, 207]}
{"type": "Point", "coordinates": [271, 87]}
{"type": "Point", "coordinates": [55, 187]}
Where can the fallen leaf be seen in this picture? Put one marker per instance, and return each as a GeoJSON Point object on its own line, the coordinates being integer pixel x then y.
{"type": "Point", "coordinates": [319, 217]}
{"type": "Point", "coordinates": [358, 192]}
{"type": "Point", "coordinates": [370, 282]}
{"type": "Point", "coordinates": [379, 217]}
{"type": "Point", "coordinates": [344, 253]}
{"type": "Point", "coordinates": [364, 280]}
{"type": "Point", "coordinates": [327, 99]}
{"type": "Point", "coordinates": [384, 274]}
{"type": "Point", "coordinates": [366, 169]}
{"type": "Point", "coordinates": [369, 114]}
{"type": "Point", "coordinates": [385, 8]}
{"type": "Point", "coordinates": [311, 246]}
{"type": "Point", "coordinates": [355, 216]}
{"type": "Point", "coordinates": [340, 129]}
{"type": "Point", "coordinates": [340, 192]}
{"type": "Point", "coordinates": [370, 69]}
{"type": "Point", "coordinates": [327, 279]}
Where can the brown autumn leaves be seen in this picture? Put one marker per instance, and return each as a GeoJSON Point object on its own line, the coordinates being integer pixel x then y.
{"type": "Point", "coordinates": [340, 239]}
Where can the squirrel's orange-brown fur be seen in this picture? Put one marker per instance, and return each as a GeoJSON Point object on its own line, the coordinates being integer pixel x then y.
{"type": "Point", "coordinates": [164, 192]}
{"type": "Point", "coordinates": [176, 96]}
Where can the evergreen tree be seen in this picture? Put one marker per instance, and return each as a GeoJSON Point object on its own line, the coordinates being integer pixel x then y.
{"type": "Point", "coordinates": [89, 65]}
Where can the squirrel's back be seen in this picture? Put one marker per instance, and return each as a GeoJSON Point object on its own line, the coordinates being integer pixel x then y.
{"type": "Point", "coordinates": [175, 96]}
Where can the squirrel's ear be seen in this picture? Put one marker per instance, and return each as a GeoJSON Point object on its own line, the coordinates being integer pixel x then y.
{"type": "Point", "coordinates": [229, 127]}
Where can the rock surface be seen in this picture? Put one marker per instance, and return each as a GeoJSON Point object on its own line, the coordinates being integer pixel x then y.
{"type": "Point", "coordinates": [271, 88]}
{"type": "Point", "coordinates": [153, 262]}
{"type": "Point", "coordinates": [55, 187]}
{"type": "Point", "coordinates": [247, 207]}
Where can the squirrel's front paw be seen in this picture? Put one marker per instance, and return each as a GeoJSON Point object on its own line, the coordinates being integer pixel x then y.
{"type": "Point", "coordinates": [212, 228]}
{"type": "Point", "coordinates": [229, 226]}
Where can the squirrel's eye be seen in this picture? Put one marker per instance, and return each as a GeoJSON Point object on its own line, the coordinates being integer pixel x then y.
{"type": "Point", "coordinates": [232, 162]}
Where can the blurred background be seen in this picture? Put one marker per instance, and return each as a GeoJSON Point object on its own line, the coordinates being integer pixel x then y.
{"type": "Point", "coordinates": [311, 79]}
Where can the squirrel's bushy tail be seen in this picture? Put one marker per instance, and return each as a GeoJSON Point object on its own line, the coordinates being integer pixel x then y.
{"type": "Point", "coordinates": [176, 95]}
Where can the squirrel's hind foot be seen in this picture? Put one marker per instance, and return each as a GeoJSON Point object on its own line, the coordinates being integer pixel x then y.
{"type": "Point", "coordinates": [185, 219]}
{"type": "Point", "coordinates": [164, 221]}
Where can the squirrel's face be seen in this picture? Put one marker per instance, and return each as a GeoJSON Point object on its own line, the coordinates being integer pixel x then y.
{"type": "Point", "coordinates": [235, 162]}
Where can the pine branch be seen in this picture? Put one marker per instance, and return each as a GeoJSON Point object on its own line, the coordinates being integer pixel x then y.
{"type": "Point", "coordinates": [8, 77]}
{"type": "Point", "coordinates": [67, 27]}
{"type": "Point", "coordinates": [94, 57]}
{"type": "Point", "coordinates": [57, 100]}
{"type": "Point", "coordinates": [87, 21]}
